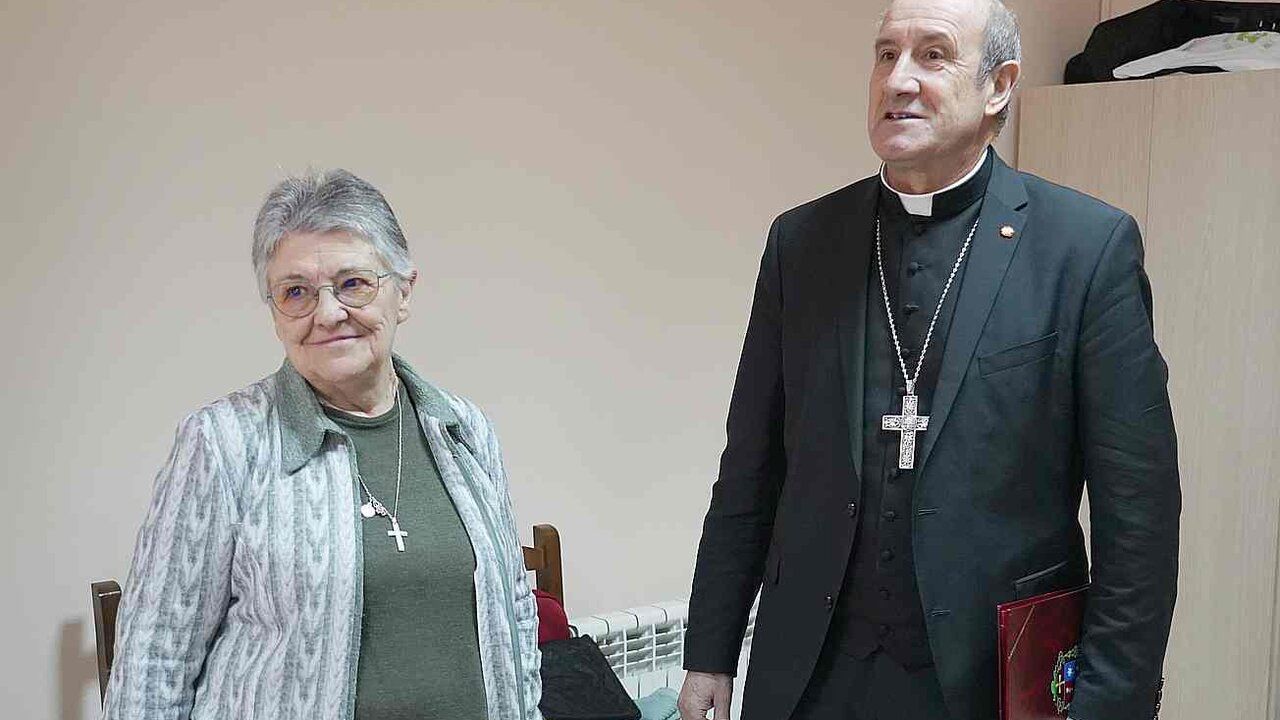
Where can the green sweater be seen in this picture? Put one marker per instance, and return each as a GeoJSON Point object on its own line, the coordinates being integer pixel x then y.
{"type": "Point", "coordinates": [419, 652]}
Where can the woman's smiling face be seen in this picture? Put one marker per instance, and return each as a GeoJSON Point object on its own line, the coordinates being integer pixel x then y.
{"type": "Point", "coordinates": [336, 345]}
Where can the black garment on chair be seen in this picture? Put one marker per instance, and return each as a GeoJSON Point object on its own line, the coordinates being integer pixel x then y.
{"type": "Point", "coordinates": [578, 684]}
{"type": "Point", "coordinates": [1163, 26]}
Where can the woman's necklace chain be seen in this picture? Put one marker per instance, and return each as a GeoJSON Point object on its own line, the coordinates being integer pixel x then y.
{"type": "Point", "coordinates": [374, 506]}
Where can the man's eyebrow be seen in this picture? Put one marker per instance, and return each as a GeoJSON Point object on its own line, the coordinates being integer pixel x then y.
{"type": "Point", "coordinates": [929, 38]}
{"type": "Point", "coordinates": [936, 37]}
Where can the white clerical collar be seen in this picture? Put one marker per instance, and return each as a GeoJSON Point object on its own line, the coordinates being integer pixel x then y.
{"type": "Point", "coordinates": [923, 204]}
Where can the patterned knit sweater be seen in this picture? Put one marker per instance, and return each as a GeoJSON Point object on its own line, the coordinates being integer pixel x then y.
{"type": "Point", "coordinates": [244, 598]}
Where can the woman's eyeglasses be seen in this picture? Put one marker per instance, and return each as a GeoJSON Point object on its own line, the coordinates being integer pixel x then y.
{"type": "Point", "coordinates": [355, 288]}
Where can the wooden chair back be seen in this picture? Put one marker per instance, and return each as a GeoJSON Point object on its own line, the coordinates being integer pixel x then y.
{"type": "Point", "coordinates": [106, 600]}
{"type": "Point", "coordinates": [544, 560]}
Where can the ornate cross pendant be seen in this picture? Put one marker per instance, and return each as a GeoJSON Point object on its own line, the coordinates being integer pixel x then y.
{"type": "Point", "coordinates": [908, 424]}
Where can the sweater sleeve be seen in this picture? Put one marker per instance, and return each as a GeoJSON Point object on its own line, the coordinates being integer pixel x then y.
{"type": "Point", "coordinates": [526, 605]}
{"type": "Point", "coordinates": [178, 587]}
{"type": "Point", "coordinates": [523, 602]}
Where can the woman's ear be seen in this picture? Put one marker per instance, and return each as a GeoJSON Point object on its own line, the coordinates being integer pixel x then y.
{"type": "Point", "coordinates": [406, 293]}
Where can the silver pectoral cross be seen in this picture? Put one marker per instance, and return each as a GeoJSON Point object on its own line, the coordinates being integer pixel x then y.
{"type": "Point", "coordinates": [397, 533]}
{"type": "Point", "coordinates": [908, 424]}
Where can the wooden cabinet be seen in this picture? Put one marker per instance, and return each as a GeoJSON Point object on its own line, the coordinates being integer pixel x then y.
{"type": "Point", "coordinates": [1196, 159]}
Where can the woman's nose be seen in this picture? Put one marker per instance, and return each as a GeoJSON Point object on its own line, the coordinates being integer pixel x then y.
{"type": "Point", "coordinates": [328, 309]}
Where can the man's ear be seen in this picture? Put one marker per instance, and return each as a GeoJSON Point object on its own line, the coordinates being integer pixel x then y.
{"type": "Point", "coordinates": [1003, 81]}
{"type": "Point", "coordinates": [406, 293]}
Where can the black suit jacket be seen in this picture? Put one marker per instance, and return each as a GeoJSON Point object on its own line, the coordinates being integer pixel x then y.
{"type": "Point", "coordinates": [1050, 379]}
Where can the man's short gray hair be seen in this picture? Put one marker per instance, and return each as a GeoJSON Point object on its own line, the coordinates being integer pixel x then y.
{"type": "Point", "coordinates": [323, 202]}
{"type": "Point", "coordinates": [1000, 44]}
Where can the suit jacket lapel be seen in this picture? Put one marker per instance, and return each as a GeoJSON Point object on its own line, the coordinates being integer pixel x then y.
{"type": "Point", "coordinates": [852, 267]}
{"type": "Point", "coordinates": [989, 256]}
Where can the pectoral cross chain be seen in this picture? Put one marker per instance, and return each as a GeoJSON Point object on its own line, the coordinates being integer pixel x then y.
{"type": "Point", "coordinates": [911, 421]}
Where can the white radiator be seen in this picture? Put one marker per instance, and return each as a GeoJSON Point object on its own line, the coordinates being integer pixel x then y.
{"type": "Point", "coordinates": [645, 646]}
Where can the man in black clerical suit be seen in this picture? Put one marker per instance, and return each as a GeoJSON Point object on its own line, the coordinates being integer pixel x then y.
{"type": "Point", "coordinates": [1016, 317]}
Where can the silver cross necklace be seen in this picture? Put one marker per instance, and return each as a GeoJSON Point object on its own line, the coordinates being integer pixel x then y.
{"type": "Point", "coordinates": [910, 421]}
{"type": "Point", "coordinates": [374, 506]}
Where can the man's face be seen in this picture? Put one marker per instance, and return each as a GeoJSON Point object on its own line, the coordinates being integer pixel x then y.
{"type": "Point", "coordinates": [925, 106]}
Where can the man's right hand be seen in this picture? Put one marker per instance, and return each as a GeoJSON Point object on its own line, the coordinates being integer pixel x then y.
{"type": "Point", "coordinates": [703, 691]}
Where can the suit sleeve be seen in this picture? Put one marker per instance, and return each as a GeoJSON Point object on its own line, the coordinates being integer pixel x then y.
{"type": "Point", "coordinates": [739, 523]}
{"type": "Point", "coordinates": [1130, 462]}
{"type": "Point", "coordinates": [178, 588]}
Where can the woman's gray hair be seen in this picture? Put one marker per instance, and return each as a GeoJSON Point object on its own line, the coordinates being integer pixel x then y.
{"type": "Point", "coordinates": [328, 201]}
{"type": "Point", "coordinates": [1001, 43]}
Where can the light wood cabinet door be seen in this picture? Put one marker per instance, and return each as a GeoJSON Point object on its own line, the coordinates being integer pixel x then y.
{"type": "Point", "coordinates": [1213, 254]}
{"type": "Point", "coordinates": [1095, 138]}
{"type": "Point", "coordinates": [1197, 160]}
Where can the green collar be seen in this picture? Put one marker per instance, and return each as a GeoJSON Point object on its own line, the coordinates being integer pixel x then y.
{"type": "Point", "coordinates": [303, 423]}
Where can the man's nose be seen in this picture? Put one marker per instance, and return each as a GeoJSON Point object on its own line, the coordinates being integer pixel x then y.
{"type": "Point", "coordinates": [902, 79]}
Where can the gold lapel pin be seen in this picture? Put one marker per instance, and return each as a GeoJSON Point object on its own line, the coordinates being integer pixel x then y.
{"type": "Point", "coordinates": [1006, 232]}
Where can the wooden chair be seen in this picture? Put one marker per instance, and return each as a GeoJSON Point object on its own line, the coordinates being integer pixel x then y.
{"type": "Point", "coordinates": [106, 599]}
{"type": "Point", "coordinates": [543, 559]}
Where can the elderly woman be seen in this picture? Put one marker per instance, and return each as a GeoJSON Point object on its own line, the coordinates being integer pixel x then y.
{"type": "Point", "coordinates": [335, 540]}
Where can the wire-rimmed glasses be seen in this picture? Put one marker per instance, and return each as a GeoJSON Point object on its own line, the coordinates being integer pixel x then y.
{"type": "Point", "coordinates": [353, 288]}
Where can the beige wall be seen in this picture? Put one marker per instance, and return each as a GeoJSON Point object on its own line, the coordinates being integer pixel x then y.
{"type": "Point", "coordinates": [585, 186]}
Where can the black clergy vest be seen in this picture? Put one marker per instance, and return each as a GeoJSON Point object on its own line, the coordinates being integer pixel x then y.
{"type": "Point", "coordinates": [879, 606]}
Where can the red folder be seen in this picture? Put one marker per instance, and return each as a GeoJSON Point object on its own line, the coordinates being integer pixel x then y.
{"type": "Point", "coordinates": [1039, 654]}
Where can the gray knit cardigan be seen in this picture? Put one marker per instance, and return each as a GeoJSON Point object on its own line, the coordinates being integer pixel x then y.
{"type": "Point", "coordinates": [245, 596]}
